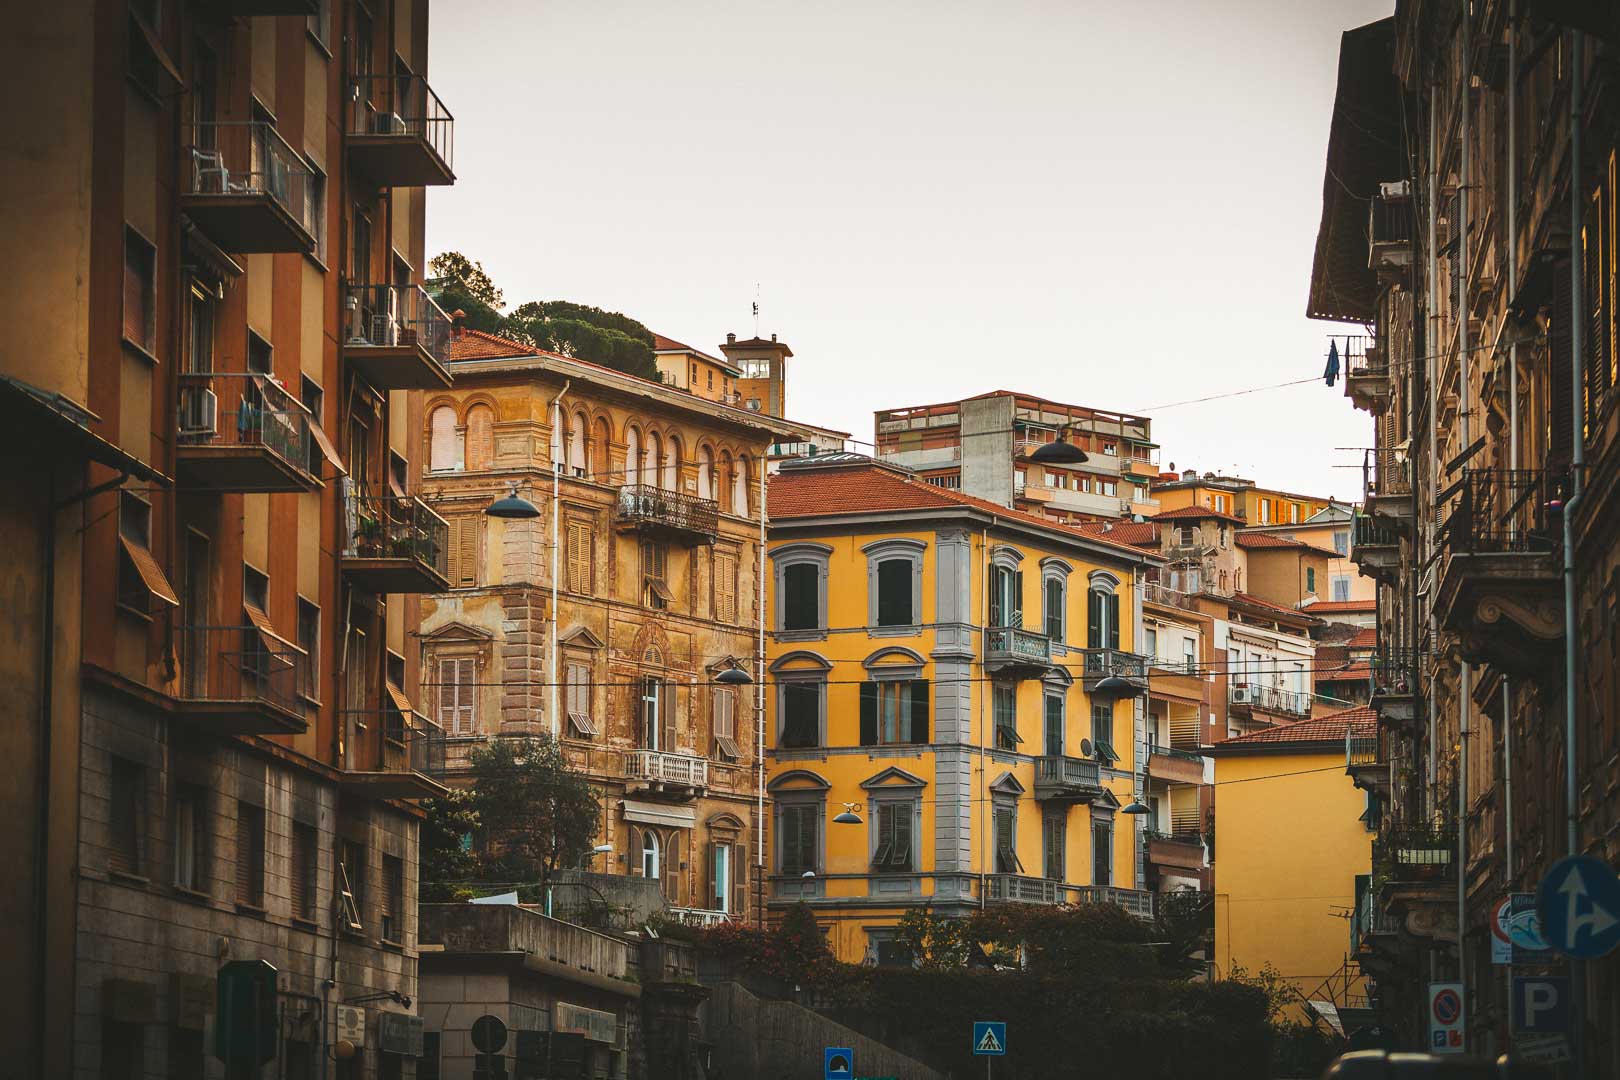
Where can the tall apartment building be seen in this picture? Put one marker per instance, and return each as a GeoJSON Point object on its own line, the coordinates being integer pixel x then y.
{"type": "Point", "coordinates": [956, 711]}
{"type": "Point", "coordinates": [210, 456]}
{"type": "Point", "coordinates": [981, 446]}
{"type": "Point", "coordinates": [1469, 220]}
{"type": "Point", "coordinates": [607, 620]}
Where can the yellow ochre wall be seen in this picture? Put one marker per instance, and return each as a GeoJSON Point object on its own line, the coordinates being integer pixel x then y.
{"type": "Point", "coordinates": [1291, 846]}
{"type": "Point", "coordinates": [845, 907]}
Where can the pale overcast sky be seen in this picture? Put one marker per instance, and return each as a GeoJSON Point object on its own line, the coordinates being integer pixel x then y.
{"type": "Point", "coordinates": [1112, 204]}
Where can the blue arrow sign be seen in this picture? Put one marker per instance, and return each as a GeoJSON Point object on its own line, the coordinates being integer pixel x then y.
{"type": "Point", "coordinates": [1579, 901]}
{"type": "Point", "coordinates": [989, 1037]}
{"type": "Point", "coordinates": [838, 1063]}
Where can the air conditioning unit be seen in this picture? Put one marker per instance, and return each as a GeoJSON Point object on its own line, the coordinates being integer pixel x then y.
{"type": "Point", "coordinates": [199, 413]}
{"type": "Point", "coordinates": [387, 123]}
{"type": "Point", "coordinates": [1243, 695]}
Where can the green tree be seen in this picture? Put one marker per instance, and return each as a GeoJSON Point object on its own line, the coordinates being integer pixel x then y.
{"type": "Point", "coordinates": [455, 270]}
{"type": "Point", "coordinates": [537, 814]}
{"type": "Point", "coordinates": [935, 942]}
{"type": "Point", "coordinates": [448, 860]}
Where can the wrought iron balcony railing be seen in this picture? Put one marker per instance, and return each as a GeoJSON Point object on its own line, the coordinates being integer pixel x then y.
{"type": "Point", "coordinates": [1508, 510]}
{"type": "Point", "coordinates": [1384, 472]}
{"type": "Point", "coordinates": [382, 525]}
{"type": "Point", "coordinates": [1015, 644]}
{"type": "Point", "coordinates": [1394, 671]}
{"type": "Point", "coordinates": [1369, 532]}
{"type": "Point", "coordinates": [242, 666]}
{"type": "Point", "coordinates": [1101, 663]}
{"type": "Point", "coordinates": [645, 505]}
{"type": "Point", "coordinates": [406, 742]}
{"type": "Point", "coordinates": [1361, 750]}
{"type": "Point", "coordinates": [1408, 852]}
{"type": "Point", "coordinates": [1270, 698]}
{"type": "Point", "coordinates": [396, 316]}
{"type": "Point", "coordinates": [248, 189]}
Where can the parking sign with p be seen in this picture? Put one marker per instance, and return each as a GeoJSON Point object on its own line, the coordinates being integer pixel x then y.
{"type": "Point", "coordinates": [1540, 1004]}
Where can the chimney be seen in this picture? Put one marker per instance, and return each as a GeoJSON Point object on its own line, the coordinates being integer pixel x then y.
{"type": "Point", "coordinates": [731, 339]}
{"type": "Point", "coordinates": [456, 329]}
{"type": "Point", "coordinates": [773, 337]}
{"type": "Point", "coordinates": [1190, 474]}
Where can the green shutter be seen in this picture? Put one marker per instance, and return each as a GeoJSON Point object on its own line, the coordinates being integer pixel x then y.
{"type": "Point", "coordinates": [1113, 620]}
{"type": "Point", "coordinates": [869, 696]}
{"type": "Point", "coordinates": [919, 711]}
{"type": "Point", "coordinates": [1094, 610]}
{"type": "Point", "coordinates": [997, 612]}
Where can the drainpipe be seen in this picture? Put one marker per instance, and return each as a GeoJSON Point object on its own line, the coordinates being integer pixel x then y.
{"type": "Point", "coordinates": [1431, 361]}
{"type": "Point", "coordinates": [1513, 425]}
{"type": "Point", "coordinates": [556, 508]}
{"type": "Point", "coordinates": [1577, 966]}
{"type": "Point", "coordinates": [759, 710]}
{"type": "Point", "coordinates": [1465, 671]}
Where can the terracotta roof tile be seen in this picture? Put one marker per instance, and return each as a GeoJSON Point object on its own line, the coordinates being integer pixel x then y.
{"type": "Point", "coordinates": [1349, 673]}
{"type": "Point", "coordinates": [1194, 513]}
{"type": "Point", "coordinates": [1345, 607]}
{"type": "Point", "coordinates": [1140, 533]}
{"type": "Point", "coordinates": [1272, 540]}
{"type": "Point", "coordinates": [470, 344]}
{"type": "Point", "coordinates": [1255, 601]}
{"type": "Point", "coordinates": [871, 487]}
{"type": "Point", "coordinates": [1331, 728]}
{"type": "Point", "coordinates": [1366, 638]}
{"type": "Point", "coordinates": [665, 344]}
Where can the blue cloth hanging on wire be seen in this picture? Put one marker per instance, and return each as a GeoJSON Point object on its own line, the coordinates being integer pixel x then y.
{"type": "Point", "coordinates": [1332, 372]}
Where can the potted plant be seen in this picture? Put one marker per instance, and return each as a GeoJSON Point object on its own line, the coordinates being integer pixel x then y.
{"type": "Point", "coordinates": [368, 537]}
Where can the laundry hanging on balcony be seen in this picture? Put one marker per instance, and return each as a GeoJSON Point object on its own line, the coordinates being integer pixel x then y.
{"type": "Point", "coordinates": [1332, 373]}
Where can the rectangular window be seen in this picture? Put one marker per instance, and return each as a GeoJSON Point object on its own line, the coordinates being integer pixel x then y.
{"type": "Point", "coordinates": [1341, 587]}
{"type": "Point", "coordinates": [801, 714]}
{"type": "Point", "coordinates": [1310, 579]}
{"type": "Point", "coordinates": [1341, 541]}
{"type": "Point", "coordinates": [352, 868]}
{"type": "Point", "coordinates": [315, 209]}
{"type": "Point", "coordinates": [1110, 449]}
{"type": "Point", "coordinates": [1006, 597]}
{"type": "Point", "coordinates": [1102, 853]}
{"type": "Point", "coordinates": [725, 723]}
{"type": "Point", "coordinates": [140, 307]}
{"type": "Point", "coordinates": [1107, 487]}
{"type": "Point", "coordinates": [894, 712]}
{"type": "Point", "coordinates": [1265, 511]}
{"type": "Point", "coordinates": [1102, 617]}
{"type": "Point", "coordinates": [657, 720]}
{"type": "Point", "coordinates": [458, 695]}
{"type": "Point", "coordinates": [719, 873]}
{"type": "Point", "coordinates": [125, 814]}
{"type": "Point", "coordinates": [798, 837]}
{"type": "Point", "coordinates": [249, 854]}
{"type": "Point", "coordinates": [305, 869]}
{"type": "Point", "coordinates": [1004, 710]}
{"type": "Point", "coordinates": [1102, 733]}
{"type": "Point", "coordinates": [801, 597]}
{"type": "Point", "coordinates": [392, 914]}
{"type": "Point", "coordinates": [1054, 845]}
{"type": "Point", "coordinates": [579, 701]}
{"type": "Point", "coordinates": [1150, 641]}
{"type": "Point", "coordinates": [190, 838]}
{"type": "Point", "coordinates": [894, 592]}
{"type": "Point", "coordinates": [141, 581]}
{"type": "Point", "coordinates": [1054, 608]}
{"type": "Point", "coordinates": [309, 639]}
{"type": "Point", "coordinates": [464, 545]}
{"type": "Point", "coordinates": [725, 587]}
{"type": "Point", "coordinates": [1006, 827]}
{"type": "Point", "coordinates": [579, 557]}
{"type": "Point", "coordinates": [894, 846]}
{"type": "Point", "coordinates": [1052, 744]}
{"type": "Point", "coordinates": [319, 24]}
{"type": "Point", "coordinates": [1189, 655]}
{"type": "Point", "coordinates": [654, 575]}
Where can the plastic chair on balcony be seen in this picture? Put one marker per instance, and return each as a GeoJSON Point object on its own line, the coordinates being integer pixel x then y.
{"type": "Point", "coordinates": [206, 165]}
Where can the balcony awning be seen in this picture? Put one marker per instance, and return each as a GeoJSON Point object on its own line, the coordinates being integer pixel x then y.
{"type": "Point", "coordinates": [680, 817]}
{"type": "Point", "coordinates": [397, 696]}
{"type": "Point", "coordinates": [261, 622]}
{"type": "Point", "coordinates": [151, 573]}
{"type": "Point", "coordinates": [55, 423]}
{"type": "Point", "coordinates": [1364, 150]}
{"type": "Point", "coordinates": [324, 441]}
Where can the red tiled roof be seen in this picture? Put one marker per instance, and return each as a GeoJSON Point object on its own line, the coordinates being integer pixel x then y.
{"type": "Point", "coordinates": [1139, 533]}
{"type": "Point", "coordinates": [1272, 540]}
{"type": "Point", "coordinates": [1347, 607]}
{"type": "Point", "coordinates": [1331, 728]}
{"type": "Point", "coordinates": [1194, 513]}
{"type": "Point", "coordinates": [1331, 654]}
{"type": "Point", "coordinates": [664, 344]}
{"type": "Point", "coordinates": [470, 344]}
{"type": "Point", "coordinates": [870, 487]}
{"type": "Point", "coordinates": [1349, 673]}
{"type": "Point", "coordinates": [1365, 638]}
{"type": "Point", "coordinates": [1246, 598]}
{"type": "Point", "coordinates": [756, 340]}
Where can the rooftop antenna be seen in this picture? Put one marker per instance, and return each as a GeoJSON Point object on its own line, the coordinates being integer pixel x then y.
{"type": "Point", "coordinates": [756, 309]}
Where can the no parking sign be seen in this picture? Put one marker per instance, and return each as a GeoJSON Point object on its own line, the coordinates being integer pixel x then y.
{"type": "Point", "coordinates": [1445, 1018]}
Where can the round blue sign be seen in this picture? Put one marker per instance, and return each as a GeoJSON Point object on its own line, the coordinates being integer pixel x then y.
{"type": "Point", "coordinates": [1579, 903]}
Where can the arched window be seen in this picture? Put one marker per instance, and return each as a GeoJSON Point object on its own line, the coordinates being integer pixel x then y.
{"type": "Point", "coordinates": [632, 454]}
{"type": "Point", "coordinates": [649, 855]}
{"type": "Point", "coordinates": [649, 460]}
{"type": "Point", "coordinates": [705, 473]}
{"type": "Point", "coordinates": [1102, 613]}
{"type": "Point", "coordinates": [445, 449]}
{"type": "Point", "coordinates": [600, 438]}
{"type": "Point", "coordinates": [671, 478]}
{"type": "Point", "coordinates": [576, 445]}
{"type": "Point", "coordinates": [723, 483]}
{"type": "Point", "coordinates": [480, 437]}
{"type": "Point", "coordinates": [739, 488]}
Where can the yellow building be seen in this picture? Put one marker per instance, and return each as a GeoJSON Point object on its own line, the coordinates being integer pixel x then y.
{"type": "Point", "coordinates": [1293, 838]}
{"type": "Point", "coordinates": [1237, 496]}
{"type": "Point", "coordinates": [936, 678]}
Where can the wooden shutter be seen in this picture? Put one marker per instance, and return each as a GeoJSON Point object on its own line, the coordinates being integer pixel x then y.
{"type": "Point", "coordinates": [1094, 610]}
{"type": "Point", "coordinates": [447, 697]}
{"type": "Point", "coordinates": [869, 711]}
{"type": "Point", "coordinates": [249, 854]}
{"type": "Point", "coordinates": [124, 822]}
{"type": "Point", "coordinates": [666, 714]}
{"type": "Point", "coordinates": [903, 857]}
{"type": "Point", "coordinates": [998, 613]}
{"type": "Point", "coordinates": [1053, 829]}
{"type": "Point", "coordinates": [1016, 605]}
{"type": "Point", "coordinates": [1560, 430]}
{"type": "Point", "coordinates": [1597, 337]}
{"type": "Point", "coordinates": [1113, 620]}
{"type": "Point", "coordinates": [579, 556]}
{"type": "Point", "coordinates": [725, 587]}
{"type": "Point", "coordinates": [739, 879]}
{"type": "Point", "coordinates": [919, 711]}
{"type": "Point", "coordinates": [456, 695]}
{"type": "Point", "coordinates": [480, 437]}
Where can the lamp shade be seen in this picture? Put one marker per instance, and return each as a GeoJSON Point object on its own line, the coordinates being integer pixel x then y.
{"type": "Point", "coordinates": [1115, 686]}
{"type": "Point", "coordinates": [1135, 806]}
{"type": "Point", "coordinates": [848, 817]}
{"type": "Point", "coordinates": [1060, 452]}
{"type": "Point", "coordinates": [512, 505]}
{"type": "Point", "coordinates": [734, 676]}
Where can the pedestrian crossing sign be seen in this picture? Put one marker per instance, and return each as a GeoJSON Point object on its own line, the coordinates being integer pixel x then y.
{"type": "Point", "coordinates": [989, 1037]}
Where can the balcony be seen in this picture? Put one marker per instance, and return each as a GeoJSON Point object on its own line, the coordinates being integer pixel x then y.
{"type": "Point", "coordinates": [1389, 232]}
{"type": "Point", "coordinates": [1136, 901]}
{"type": "Point", "coordinates": [1500, 588]}
{"type": "Point", "coordinates": [699, 917]}
{"type": "Point", "coordinates": [399, 132]}
{"type": "Point", "coordinates": [242, 432]}
{"type": "Point", "coordinates": [673, 776]}
{"type": "Point", "coordinates": [1067, 779]}
{"type": "Point", "coordinates": [1013, 652]}
{"type": "Point", "coordinates": [1017, 889]}
{"type": "Point", "coordinates": [1366, 373]}
{"type": "Point", "coordinates": [1387, 490]}
{"type": "Point", "coordinates": [397, 338]}
{"type": "Point", "coordinates": [1365, 763]}
{"type": "Point", "coordinates": [674, 514]}
{"type": "Point", "coordinates": [396, 543]}
{"type": "Point", "coordinates": [1100, 664]}
{"type": "Point", "coordinates": [1395, 688]}
{"type": "Point", "coordinates": [392, 753]}
{"type": "Point", "coordinates": [1140, 468]}
{"type": "Point", "coordinates": [1370, 927]}
{"type": "Point", "coordinates": [1408, 852]}
{"type": "Point", "coordinates": [240, 680]}
{"type": "Point", "coordinates": [1176, 851]}
{"type": "Point", "coordinates": [1375, 548]}
{"type": "Point", "coordinates": [1245, 698]}
{"type": "Point", "coordinates": [1174, 766]}
{"type": "Point", "coordinates": [247, 189]}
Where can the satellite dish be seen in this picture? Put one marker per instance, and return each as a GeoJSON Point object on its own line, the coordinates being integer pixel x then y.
{"type": "Point", "coordinates": [1085, 747]}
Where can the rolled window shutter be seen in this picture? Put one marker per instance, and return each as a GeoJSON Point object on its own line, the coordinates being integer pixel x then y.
{"type": "Point", "coordinates": [465, 699]}
{"type": "Point", "coordinates": [869, 701]}
{"type": "Point", "coordinates": [1113, 620]}
{"type": "Point", "coordinates": [442, 449]}
{"type": "Point", "coordinates": [480, 437]}
{"type": "Point", "coordinates": [919, 711]}
{"type": "Point", "coordinates": [1094, 611]}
